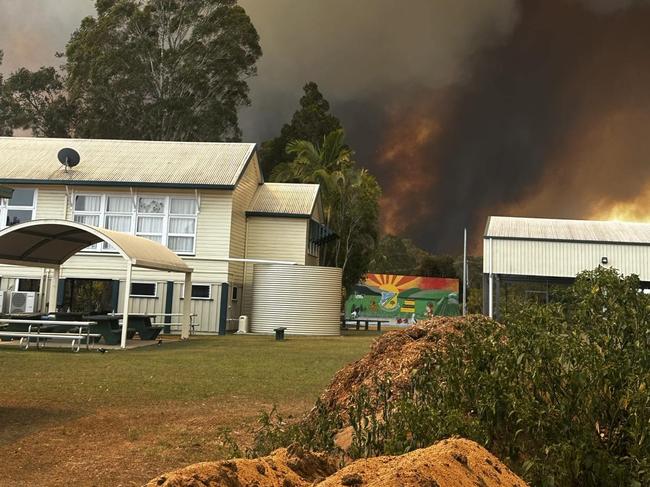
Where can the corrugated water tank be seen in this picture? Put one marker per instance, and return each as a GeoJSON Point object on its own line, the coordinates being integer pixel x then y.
{"type": "Point", "coordinates": [304, 299]}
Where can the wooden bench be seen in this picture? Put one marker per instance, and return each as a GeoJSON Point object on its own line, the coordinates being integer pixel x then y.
{"type": "Point", "coordinates": [366, 321]}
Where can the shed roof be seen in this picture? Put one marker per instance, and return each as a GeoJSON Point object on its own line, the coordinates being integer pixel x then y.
{"type": "Point", "coordinates": [124, 162]}
{"type": "Point", "coordinates": [516, 228]}
{"type": "Point", "coordinates": [49, 243]}
{"type": "Point", "coordinates": [289, 199]}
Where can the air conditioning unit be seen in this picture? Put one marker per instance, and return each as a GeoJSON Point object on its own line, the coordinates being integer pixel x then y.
{"type": "Point", "coordinates": [22, 302]}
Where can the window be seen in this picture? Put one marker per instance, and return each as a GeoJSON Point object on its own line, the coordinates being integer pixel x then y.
{"type": "Point", "coordinates": [199, 291]}
{"type": "Point", "coordinates": [235, 293]}
{"type": "Point", "coordinates": [182, 225]}
{"type": "Point", "coordinates": [314, 238]}
{"type": "Point", "coordinates": [118, 215]}
{"type": "Point", "coordinates": [144, 289]}
{"type": "Point", "coordinates": [28, 285]}
{"type": "Point", "coordinates": [88, 210]}
{"type": "Point", "coordinates": [170, 221]}
{"type": "Point", "coordinates": [151, 218]}
{"type": "Point", "coordinates": [19, 209]}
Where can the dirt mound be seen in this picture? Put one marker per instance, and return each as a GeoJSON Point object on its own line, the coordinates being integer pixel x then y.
{"type": "Point", "coordinates": [449, 463]}
{"type": "Point", "coordinates": [395, 354]}
{"type": "Point", "coordinates": [454, 462]}
{"type": "Point", "coordinates": [285, 467]}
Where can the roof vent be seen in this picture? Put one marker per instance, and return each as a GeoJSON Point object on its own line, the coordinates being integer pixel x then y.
{"type": "Point", "coordinates": [68, 157]}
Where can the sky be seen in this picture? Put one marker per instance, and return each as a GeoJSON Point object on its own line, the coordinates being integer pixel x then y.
{"type": "Point", "coordinates": [461, 108]}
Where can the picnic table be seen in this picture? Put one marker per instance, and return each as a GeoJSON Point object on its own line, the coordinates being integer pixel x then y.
{"type": "Point", "coordinates": [366, 321]}
{"type": "Point", "coordinates": [42, 330]}
{"type": "Point", "coordinates": [111, 330]}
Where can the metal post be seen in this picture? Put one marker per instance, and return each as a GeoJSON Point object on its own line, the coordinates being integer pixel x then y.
{"type": "Point", "coordinates": [54, 290]}
{"type": "Point", "coordinates": [465, 272]}
{"type": "Point", "coordinates": [491, 283]}
{"type": "Point", "coordinates": [127, 302]}
{"type": "Point", "coordinates": [187, 306]}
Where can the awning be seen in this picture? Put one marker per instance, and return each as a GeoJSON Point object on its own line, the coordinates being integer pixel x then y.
{"type": "Point", "coordinates": [49, 243]}
{"type": "Point", "coordinates": [6, 192]}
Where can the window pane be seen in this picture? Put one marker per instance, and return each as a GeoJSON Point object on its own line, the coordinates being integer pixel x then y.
{"type": "Point", "coordinates": [87, 219]}
{"type": "Point", "coordinates": [119, 204]}
{"type": "Point", "coordinates": [201, 291]}
{"type": "Point", "coordinates": [181, 244]}
{"type": "Point", "coordinates": [151, 205]}
{"type": "Point", "coordinates": [143, 289]}
{"type": "Point", "coordinates": [182, 225]}
{"type": "Point", "coordinates": [29, 285]}
{"type": "Point", "coordinates": [14, 217]}
{"type": "Point", "coordinates": [182, 206]}
{"type": "Point", "coordinates": [22, 197]}
{"type": "Point", "coordinates": [118, 223]}
{"type": "Point", "coordinates": [150, 224]}
{"type": "Point", "coordinates": [88, 203]}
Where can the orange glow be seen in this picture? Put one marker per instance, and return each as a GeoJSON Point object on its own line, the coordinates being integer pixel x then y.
{"type": "Point", "coordinates": [637, 209]}
{"type": "Point", "coordinates": [410, 174]}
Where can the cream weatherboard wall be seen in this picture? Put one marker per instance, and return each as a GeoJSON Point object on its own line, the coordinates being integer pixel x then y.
{"type": "Point", "coordinates": [272, 238]}
{"type": "Point", "coordinates": [241, 199]}
{"type": "Point", "coordinates": [212, 246]}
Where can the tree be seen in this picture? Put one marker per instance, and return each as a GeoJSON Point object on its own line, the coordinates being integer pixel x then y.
{"type": "Point", "coordinates": [437, 266]}
{"type": "Point", "coordinates": [396, 255]}
{"type": "Point", "coordinates": [350, 200]}
{"type": "Point", "coordinates": [157, 70]}
{"type": "Point", "coordinates": [311, 122]}
{"type": "Point", "coordinates": [38, 101]}
{"type": "Point", "coordinates": [5, 104]}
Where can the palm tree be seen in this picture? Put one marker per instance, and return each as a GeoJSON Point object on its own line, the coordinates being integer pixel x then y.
{"type": "Point", "coordinates": [325, 164]}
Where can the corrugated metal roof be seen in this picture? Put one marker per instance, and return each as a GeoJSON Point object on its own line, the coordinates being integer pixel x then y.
{"type": "Point", "coordinates": [124, 162]}
{"type": "Point", "coordinates": [284, 198]}
{"type": "Point", "coordinates": [567, 230]}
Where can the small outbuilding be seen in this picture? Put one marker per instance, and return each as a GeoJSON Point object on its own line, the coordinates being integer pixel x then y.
{"type": "Point", "coordinates": [536, 254]}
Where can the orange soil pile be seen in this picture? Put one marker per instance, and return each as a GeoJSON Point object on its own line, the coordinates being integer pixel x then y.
{"type": "Point", "coordinates": [285, 467]}
{"type": "Point", "coordinates": [454, 462]}
{"type": "Point", "coordinates": [449, 463]}
{"type": "Point", "coordinates": [396, 355]}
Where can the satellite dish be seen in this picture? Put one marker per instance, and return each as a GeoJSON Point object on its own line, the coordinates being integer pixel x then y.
{"type": "Point", "coordinates": [68, 157]}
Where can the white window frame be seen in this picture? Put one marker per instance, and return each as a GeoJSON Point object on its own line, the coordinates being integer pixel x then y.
{"type": "Point", "coordinates": [135, 196]}
{"type": "Point", "coordinates": [102, 199]}
{"type": "Point", "coordinates": [171, 215]}
{"type": "Point", "coordinates": [17, 284]}
{"type": "Point", "coordinates": [5, 207]}
{"type": "Point", "coordinates": [209, 285]}
{"type": "Point", "coordinates": [105, 214]}
{"type": "Point", "coordinates": [145, 296]}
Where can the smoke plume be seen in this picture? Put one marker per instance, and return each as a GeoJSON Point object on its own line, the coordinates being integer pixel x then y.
{"type": "Point", "coordinates": [461, 108]}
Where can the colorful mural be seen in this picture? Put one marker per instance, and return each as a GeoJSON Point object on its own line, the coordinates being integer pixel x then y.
{"type": "Point", "coordinates": [403, 299]}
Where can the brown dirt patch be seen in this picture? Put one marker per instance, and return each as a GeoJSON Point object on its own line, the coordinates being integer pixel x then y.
{"type": "Point", "coordinates": [449, 463]}
{"type": "Point", "coordinates": [117, 445]}
{"type": "Point", "coordinates": [396, 354]}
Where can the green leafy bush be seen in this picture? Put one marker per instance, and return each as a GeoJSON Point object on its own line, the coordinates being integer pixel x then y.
{"type": "Point", "coordinates": [557, 391]}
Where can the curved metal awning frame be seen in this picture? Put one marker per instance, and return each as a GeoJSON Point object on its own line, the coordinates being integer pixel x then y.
{"type": "Point", "coordinates": [50, 243]}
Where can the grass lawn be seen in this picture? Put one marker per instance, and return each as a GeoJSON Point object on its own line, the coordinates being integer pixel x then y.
{"type": "Point", "coordinates": [122, 417]}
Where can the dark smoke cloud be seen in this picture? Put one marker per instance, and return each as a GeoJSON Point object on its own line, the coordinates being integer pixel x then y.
{"type": "Point", "coordinates": [553, 122]}
{"type": "Point", "coordinates": [461, 108]}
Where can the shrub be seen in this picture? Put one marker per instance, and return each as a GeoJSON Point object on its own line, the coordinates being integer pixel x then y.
{"type": "Point", "coordinates": [558, 391]}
